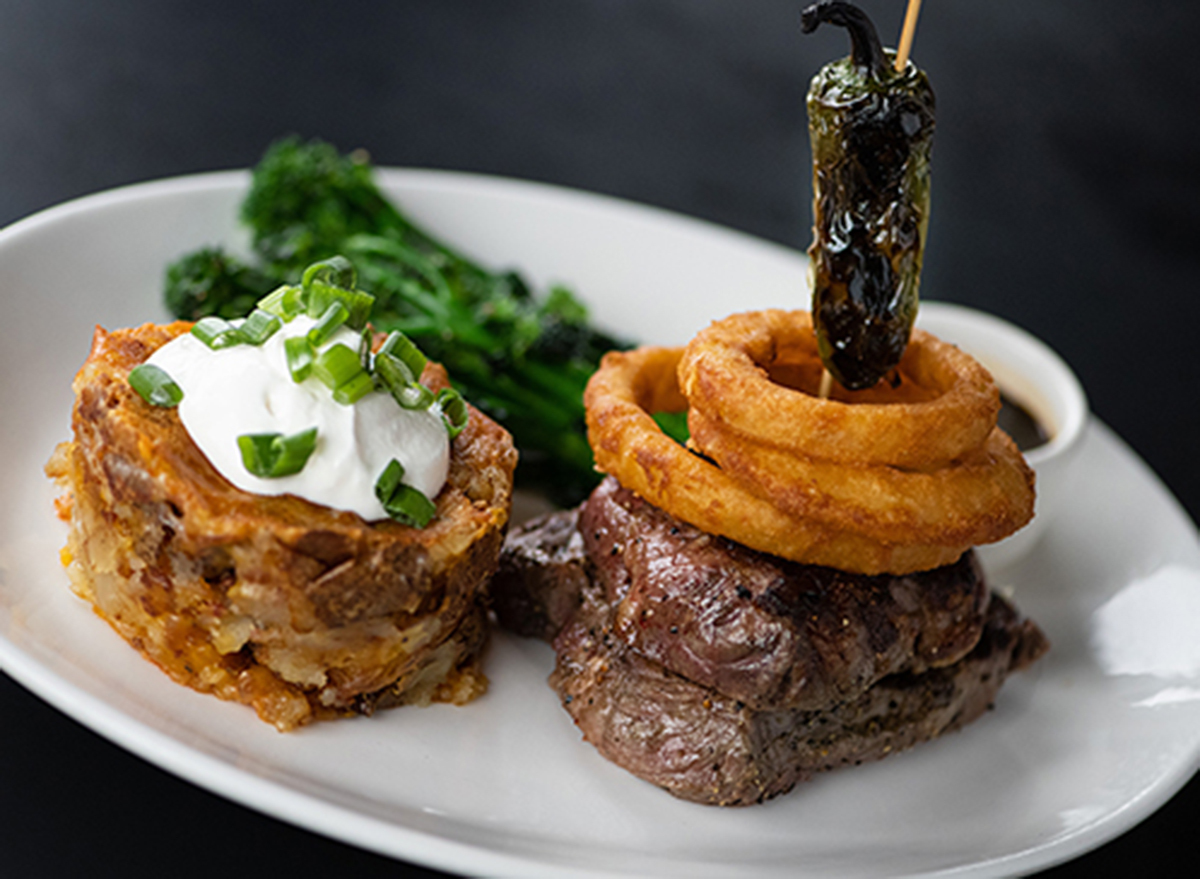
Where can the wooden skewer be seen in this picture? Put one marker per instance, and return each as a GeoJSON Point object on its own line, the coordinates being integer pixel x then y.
{"type": "Point", "coordinates": [826, 384]}
{"type": "Point", "coordinates": [906, 35]}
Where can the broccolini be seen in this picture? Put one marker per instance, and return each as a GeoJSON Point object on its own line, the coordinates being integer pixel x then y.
{"type": "Point", "coordinates": [523, 359]}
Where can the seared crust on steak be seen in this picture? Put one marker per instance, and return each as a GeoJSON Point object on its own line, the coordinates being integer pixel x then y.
{"type": "Point", "coordinates": [702, 746]}
{"type": "Point", "coordinates": [760, 629]}
{"type": "Point", "coordinates": [653, 606]}
{"type": "Point", "coordinates": [300, 610]}
{"type": "Point", "coordinates": [542, 574]}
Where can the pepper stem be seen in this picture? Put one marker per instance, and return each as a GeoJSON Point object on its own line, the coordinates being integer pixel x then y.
{"type": "Point", "coordinates": [865, 48]}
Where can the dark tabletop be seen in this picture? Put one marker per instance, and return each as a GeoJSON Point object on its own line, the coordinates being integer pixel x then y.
{"type": "Point", "coordinates": [1066, 199]}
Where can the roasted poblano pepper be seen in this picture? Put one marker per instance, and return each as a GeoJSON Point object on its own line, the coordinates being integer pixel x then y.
{"type": "Point", "coordinates": [872, 132]}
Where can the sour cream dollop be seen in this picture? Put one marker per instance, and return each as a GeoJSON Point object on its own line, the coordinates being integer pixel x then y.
{"type": "Point", "coordinates": [248, 389]}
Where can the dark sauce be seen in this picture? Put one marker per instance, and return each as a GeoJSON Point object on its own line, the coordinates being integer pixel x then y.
{"type": "Point", "coordinates": [1027, 432]}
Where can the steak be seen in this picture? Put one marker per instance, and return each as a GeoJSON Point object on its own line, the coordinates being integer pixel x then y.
{"type": "Point", "coordinates": [709, 748]}
{"type": "Point", "coordinates": [757, 628]}
{"type": "Point", "coordinates": [541, 576]}
{"type": "Point", "coordinates": [727, 676]}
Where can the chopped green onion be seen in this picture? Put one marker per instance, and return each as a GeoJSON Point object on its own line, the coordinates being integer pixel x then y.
{"type": "Point", "coordinates": [400, 346]}
{"type": "Point", "coordinates": [337, 271]}
{"type": "Point", "coordinates": [357, 303]}
{"type": "Point", "coordinates": [409, 507]}
{"type": "Point", "coordinates": [364, 348]}
{"type": "Point", "coordinates": [334, 280]}
{"type": "Point", "coordinates": [392, 371]}
{"type": "Point", "coordinates": [300, 357]}
{"type": "Point", "coordinates": [327, 324]}
{"type": "Point", "coordinates": [402, 502]}
{"type": "Point", "coordinates": [336, 365]}
{"type": "Point", "coordinates": [350, 392]}
{"type": "Point", "coordinates": [217, 333]}
{"type": "Point", "coordinates": [454, 410]}
{"type": "Point", "coordinates": [398, 379]}
{"type": "Point", "coordinates": [360, 309]}
{"type": "Point", "coordinates": [284, 302]}
{"type": "Point", "coordinates": [260, 326]}
{"type": "Point", "coordinates": [258, 452]}
{"type": "Point", "coordinates": [389, 481]}
{"type": "Point", "coordinates": [399, 364]}
{"type": "Point", "coordinates": [414, 396]}
{"type": "Point", "coordinates": [271, 455]}
{"type": "Point", "coordinates": [154, 385]}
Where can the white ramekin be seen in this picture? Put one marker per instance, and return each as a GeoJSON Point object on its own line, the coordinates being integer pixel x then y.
{"type": "Point", "coordinates": [1032, 375]}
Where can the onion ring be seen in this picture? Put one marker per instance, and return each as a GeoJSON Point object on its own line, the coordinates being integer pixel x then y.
{"type": "Point", "coordinates": [620, 397]}
{"type": "Point", "coordinates": [943, 407]}
{"type": "Point", "coordinates": [981, 498]}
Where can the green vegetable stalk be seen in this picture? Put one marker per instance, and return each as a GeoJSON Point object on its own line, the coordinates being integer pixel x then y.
{"type": "Point", "coordinates": [521, 358]}
{"type": "Point", "coordinates": [872, 134]}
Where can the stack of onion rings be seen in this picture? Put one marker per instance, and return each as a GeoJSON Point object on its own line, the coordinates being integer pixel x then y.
{"type": "Point", "coordinates": [898, 479]}
{"type": "Point", "coordinates": [724, 374]}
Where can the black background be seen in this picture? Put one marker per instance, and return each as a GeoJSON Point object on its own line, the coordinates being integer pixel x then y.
{"type": "Point", "coordinates": [1066, 199]}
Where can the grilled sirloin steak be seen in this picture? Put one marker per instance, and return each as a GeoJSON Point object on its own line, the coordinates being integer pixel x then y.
{"type": "Point", "coordinates": [702, 746]}
{"type": "Point", "coordinates": [611, 579]}
{"type": "Point", "coordinates": [541, 577]}
{"type": "Point", "coordinates": [760, 629]}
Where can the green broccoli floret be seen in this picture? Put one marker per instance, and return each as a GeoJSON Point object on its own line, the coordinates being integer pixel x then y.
{"type": "Point", "coordinates": [306, 198]}
{"type": "Point", "coordinates": [522, 359]}
{"type": "Point", "coordinates": [211, 282]}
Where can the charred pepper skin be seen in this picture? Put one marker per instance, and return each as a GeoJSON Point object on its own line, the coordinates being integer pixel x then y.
{"type": "Point", "coordinates": [871, 129]}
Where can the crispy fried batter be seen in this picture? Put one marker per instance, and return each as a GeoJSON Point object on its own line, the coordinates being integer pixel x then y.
{"type": "Point", "coordinates": [628, 444]}
{"type": "Point", "coordinates": [895, 480]}
{"type": "Point", "coordinates": [986, 495]}
{"type": "Point", "coordinates": [941, 405]}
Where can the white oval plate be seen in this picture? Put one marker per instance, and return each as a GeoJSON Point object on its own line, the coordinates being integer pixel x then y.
{"type": "Point", "coordinates": [1080, 748]}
